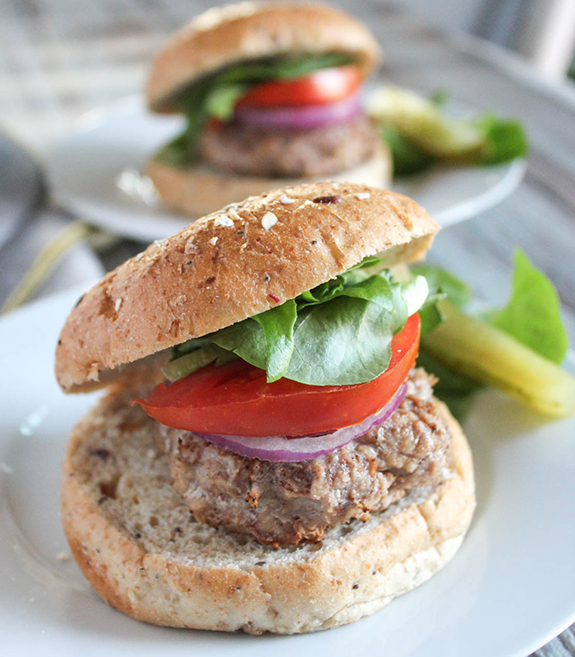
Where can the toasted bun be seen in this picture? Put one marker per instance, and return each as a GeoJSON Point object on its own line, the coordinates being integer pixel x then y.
{"type": "Point", "coordinates": [232, 265]}
{"type": "Point", "coordinates": [250, 30]}
{"type": "Point", "coordinates": [137, 544]}
{"type": "Point", "coordinates": [200, 190]}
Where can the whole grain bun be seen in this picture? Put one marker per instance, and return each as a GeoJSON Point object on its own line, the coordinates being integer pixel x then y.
{"type": "Point", "coordinates": [199, 190]}
{"type": "Point", "coordinates": [137, 544]}
{"type": "Point", "coordinates": [231, 265]}
{"type": "Point", "coordinates": [250, 30]}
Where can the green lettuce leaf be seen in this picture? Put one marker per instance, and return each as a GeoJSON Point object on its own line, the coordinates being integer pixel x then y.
{"type": "Point", "coordinates": [408, 158]}
{"type": "Point", "coordinates": [430, 315]}
{"type": "Point", "coordinates": [281, 68]}
{"type": "Point", "coordinates": [178, 151]}
{"type": "Point", "coordinates": [455, 389]}
{"type": "Point", "coordinates": [288, 340]}
{"type": "Point", "coordinates": [440, 280]}
{"type": "Point", "coordinates": [347, 340]}
{"type": "Point", "coordinates": [322, 293]}
{"type": "Point", "coordinates": [533, 314]}
{"type": "Point", "coordinates": [439, 97]}
{"type": "Point", "coordinates": [442, 285]}
{"type": "Point", "coordinates": [277, 326]}
{"type": "Point", "coordinates": [503, 140]}
{"type": "Point", "coordinates": [338, 333]}
{"type": "Point", "coordinates": [216, 95]}
{"type": "Point", "coordinates": [341, 334]}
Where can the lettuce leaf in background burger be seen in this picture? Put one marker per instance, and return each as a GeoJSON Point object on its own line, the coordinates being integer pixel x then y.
{"type": "Point", "coordinates": [216, 95]}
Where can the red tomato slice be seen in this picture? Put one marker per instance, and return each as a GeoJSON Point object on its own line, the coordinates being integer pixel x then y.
{"type": "Point", "coordinates": [318, 88]}
{"type": "Point", "coordinates": [235, 399]}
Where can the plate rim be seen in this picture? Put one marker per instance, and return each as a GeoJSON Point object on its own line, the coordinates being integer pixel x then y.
{"type": "Point", "coordinates": [101, 116]}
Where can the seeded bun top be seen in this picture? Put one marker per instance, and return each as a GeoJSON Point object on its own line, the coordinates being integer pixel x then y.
{"type": "Point", "coordinates": [249, 30]}
{"type": "Point", "coordinates": [231, 265]}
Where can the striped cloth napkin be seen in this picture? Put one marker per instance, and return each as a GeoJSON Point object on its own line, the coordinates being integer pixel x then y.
{"type": "Point", "coordinates": [50, 247]}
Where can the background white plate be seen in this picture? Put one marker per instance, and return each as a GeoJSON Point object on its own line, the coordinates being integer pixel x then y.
{"type": "Point", "coordinates": [508, 591]}
{"type": "Point", "coordinates": [85, 169]}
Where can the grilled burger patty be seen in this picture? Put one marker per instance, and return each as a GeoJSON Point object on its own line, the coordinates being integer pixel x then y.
{"type": "Point", "coordinates": [248, 150]}
{"type": "Point", "coordinates": [284, 503]}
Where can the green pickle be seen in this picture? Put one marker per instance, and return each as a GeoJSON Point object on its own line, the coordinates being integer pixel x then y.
{"type": "Point", "coordinates": [194, 361]}
{"type": "Point", "coordinates": [485, 354]}
{"type": "Point", "coordinates": [420, 121]}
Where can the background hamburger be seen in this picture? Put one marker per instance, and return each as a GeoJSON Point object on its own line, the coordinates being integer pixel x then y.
{"type": "Point", "coordinates": [271, 95]}
{"type": "Point", "coordinates": [315, 477]}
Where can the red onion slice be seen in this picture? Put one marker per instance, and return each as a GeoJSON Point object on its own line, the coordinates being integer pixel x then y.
{"type": "Point", "coordinates": [281, 448]}
{"type": "Point", "coordinates": [298, 118]}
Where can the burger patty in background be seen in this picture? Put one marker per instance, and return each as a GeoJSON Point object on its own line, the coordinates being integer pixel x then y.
{"type": "Point", "coordinates": [285, 503]}
{"type": "Point", "coordinates": [321, 151]}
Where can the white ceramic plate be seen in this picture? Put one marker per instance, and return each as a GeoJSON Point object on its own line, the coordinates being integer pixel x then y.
{"type": "Point", "coordinates": [94, 173]}
{"type": "Point", "coordinates": [509, 590]}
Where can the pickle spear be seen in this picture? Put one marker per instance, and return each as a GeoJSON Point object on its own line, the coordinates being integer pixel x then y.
{"type": "Point", "coordinates": [423, 123]}
{"type": "Point", "coordinates": [490, 356]}
{"type": "Point", "coordinates": [195, 360]}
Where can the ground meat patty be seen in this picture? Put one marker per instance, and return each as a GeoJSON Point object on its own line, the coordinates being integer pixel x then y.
{"type": "Point", "coordinates": [322, 151]}
{"type": "Point", "coordinates": [283, 503]}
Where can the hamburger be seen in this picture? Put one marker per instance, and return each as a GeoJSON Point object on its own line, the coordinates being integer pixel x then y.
{"type": "Point", "coordinates": [271, 97]}
{"type": "Point", "coordinates": [267, 457]}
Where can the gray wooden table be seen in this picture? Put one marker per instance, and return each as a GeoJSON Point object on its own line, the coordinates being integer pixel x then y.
{"type": "Point", "coordinates": [59, 58]}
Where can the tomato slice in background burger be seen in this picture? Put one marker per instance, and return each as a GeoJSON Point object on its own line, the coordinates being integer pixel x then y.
{"type": "Point", "coordinates": [318, 88]}
{"type": "Point", "coordinates": [235, 399]}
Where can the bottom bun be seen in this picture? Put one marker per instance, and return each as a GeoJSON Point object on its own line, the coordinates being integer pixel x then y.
{"type": "Point", "coordinates": [139, 547]}
{"type": "Point", "coordinates": [200, 189]}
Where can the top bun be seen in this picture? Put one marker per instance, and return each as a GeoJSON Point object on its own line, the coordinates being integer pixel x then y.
{"type": "Point", "coordinates": [231, 265]}
{"type": "Point", "coordinates": [250, 30]}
